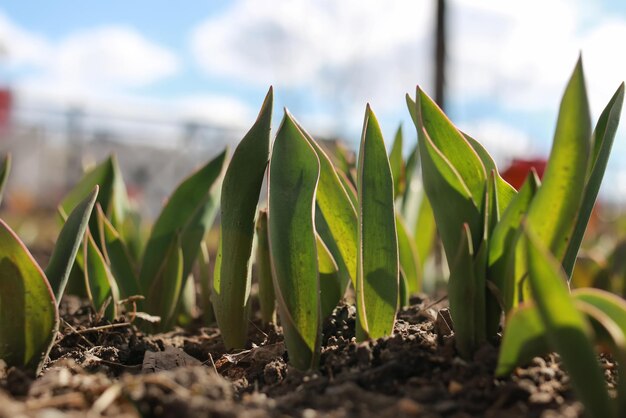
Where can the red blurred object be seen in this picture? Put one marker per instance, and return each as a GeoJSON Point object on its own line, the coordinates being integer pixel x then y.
{"type": "Point", "coordinates": [6, 103]}
{"type": "Point", "coordinates": [517, 172]}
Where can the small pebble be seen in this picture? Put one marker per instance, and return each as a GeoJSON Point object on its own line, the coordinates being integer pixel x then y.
{"type": "Point", "coordinates": [409, 407]}
{"type": "Point", "coordinates": [455, 387]}
{"type": "Point", "coordinates": [541, 398]}
{"type": "Point", "coordinates": [527, 385]}
{"type": "Point", "coordinates": [548, 372]}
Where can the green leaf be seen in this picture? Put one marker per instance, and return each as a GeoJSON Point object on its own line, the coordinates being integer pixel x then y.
{"type": "Point", "coordinates": [408, 257]}
{"type": "Point", "coordinates": [569, 332]}
{"type": "Point", "coordinates": [336, 206]}
{"type": "Point", "coordinates": [453, 146]}
{"type": "Point", "coordinates": [293, 175]}
{"type": "Point", "coordinates": [240, 195]}
{"type": "Point", "coordinates": [186, 309]}
{"type": "Point", "coordinates": [602, 142]}
{"type": "Point", "coordinates": [505, 256]}
{"type": "Point", "coordinates": [331, 286]}
{"type": "Point", "coordinates": [524, 339]}
{"type": "Point", "coordinates": [5, 169]}
{"type": "Point", "coordinates": [425, 232]}
{"type": "Point", "coordinates": [452, 202]}
{"type": "Point", "coordinates": [323, 230]}
{"type": "Point", "coordinates": [412, 106]}
{"type": "Point", "coordinates": [349, 188]}
{"type": "Point", "coordinates": [403, 291]}
{"type": "Point", "coordinates": [101, 287]}
{"type": "Point", "coordinates": [341, 158]}
{"type": "Point", "coordinates": [163, 294]}
{"type": "Point", "coordinates": [554, 209]}
{"type": "Point", "coordinates": [134, 235]}
{"type": "Point", "coordinates": [611, 320]}
{"type": "Point", "coordinates": [267, 298]}
{"type": "Point", "coordinates": [111, 197]}
{"type": "Point", "coordinates": [378, 264]}
{"type": "Point", "coordinates": [590, 271]}
{"type": "Point", "coordinates": [28, 314]}
{"type": "Point", "coordinates": [396, 163]}
{"type": "Point", "coordinates": [68, 244]}
{"type": "Point", "coordinates": [204, 277]}
{"type": "Point", "coordinates": [506, 192]}
{"type": "Point", "coordinates": [188, 214]}
{"type": "Point", "coordinates": [119, 207]}
{"type": "Point", "coordinates": [480, 296]}
{"type": "Point", "coordinates": [463, 294]}
{"type": "Point", "coordinates": [117, 257]}
{"type": "Point", "coordinates": [412, 166]}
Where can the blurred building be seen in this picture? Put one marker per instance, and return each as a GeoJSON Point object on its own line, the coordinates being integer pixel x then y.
{"type": "Point", "coordinates": [52, 147]}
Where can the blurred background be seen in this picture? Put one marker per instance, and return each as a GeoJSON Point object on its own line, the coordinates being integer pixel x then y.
{"type": "Point", "coordinates": [166, 85]}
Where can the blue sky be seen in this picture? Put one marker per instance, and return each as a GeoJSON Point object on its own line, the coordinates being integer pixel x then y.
{"type": "Point", "coordinates": [213, 61]}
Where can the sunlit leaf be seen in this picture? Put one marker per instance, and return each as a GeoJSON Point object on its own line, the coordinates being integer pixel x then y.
{"type": "Point", "coordinates": [240, 195]}
{"type": "Point", "coordinates": [293, 175]}
{"type": "Point", "coordinates": [408, 257]}
{"type": "Point", "coordinates": [267, 298]}
{"type": "Point", "coordinates": [453, 146]}
{"type": "Point", "coordinates": [188, 214]}
{"type": "Point", "coordinates": [506, 192]}
{"type": "Point", "coordinates": [67, 245]}
{"type": "Point", "coordinates": [111, 197]}
{"type": "Point", "coordinates": [524, 339]}
{"type": "Point", "coordinates": [28, 314]}
{"type": "Point", "coordinates": [553, 211]}
{"type": "Point", "coordinates": [331, 286]}
{"type": "Point", "coordinates": [412, 187]}
{"type": "Point", "coordinates": [343, 273]}
{"type": "Point", "coordinates": [610, 325]}
{"type": "Point", "coordinates": [425, 231]}
{"type": "Point", "coordinates": [602, 142]}
{"type": "Point", "coordinates": [164, 292]}
{"type": "Point", "coordinates": [378, 264]}
{"type": "Point", "coordinates": [116, 254]}
{"type": "Point", "coordinates": [502, 256]}
{"type": "Point", "coordinates": [100, 284]}
{"type": "Point", "coordinates": [452, 202]}
{"type": "Point", "coordinates": [462, 294]}
{"type": "Point", "coordinates": [396, 162]}
{"type": "Point", "coordinates": [568, 331]}
{"type": "Point", "coordinates": [204, 277]}
{"type": "Point", "coordinates": [334, 202]}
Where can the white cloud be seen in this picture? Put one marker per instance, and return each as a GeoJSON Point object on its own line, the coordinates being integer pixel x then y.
{"type": "Point", "coordinates": [216, 109]}
{"type": "Point", "coordinates": [112, 55]}
{"type": "Point", "coordinates": [96, 70]}
{"type": "Point", "coordinates": [91, 62]}
{"type": "Point", "coordinates": [521, 54]}
{"type": "Point", "coordinates": [18, 47]}
{"type": "Point", "coordinates": [348, 52]}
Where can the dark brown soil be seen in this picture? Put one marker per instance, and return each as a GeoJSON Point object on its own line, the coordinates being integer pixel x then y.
{"type": "Point", "coordinates": [99, 369]}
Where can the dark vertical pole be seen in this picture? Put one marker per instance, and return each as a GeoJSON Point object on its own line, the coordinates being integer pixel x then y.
{"type": "Point", "coordinates": [440, 54]}
{"type": "Point", "coordinates": [440, 81]}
